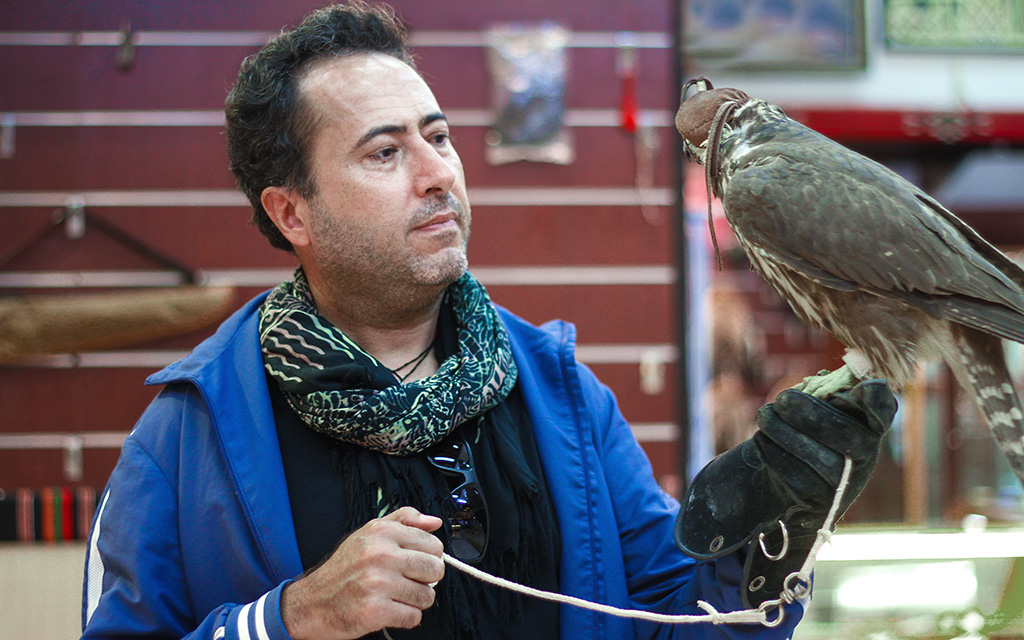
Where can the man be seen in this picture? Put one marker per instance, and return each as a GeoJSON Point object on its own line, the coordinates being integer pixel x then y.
{"type": "Point", "coordinates": [303, 470]}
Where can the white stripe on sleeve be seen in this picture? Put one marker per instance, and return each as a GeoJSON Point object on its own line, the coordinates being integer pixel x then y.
{"type": "Point", "coordinates": [261, 624]}
{"type": "Point", "coordinates": [94, 571]}
{"type": "Point", "coordinates": [243, 622]}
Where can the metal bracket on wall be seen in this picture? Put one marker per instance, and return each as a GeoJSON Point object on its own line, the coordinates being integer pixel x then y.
{"type": "Point", "coordinates": [126, 55]}
{"type": "Point", "coordinates": [7, 122]}
{"type": "Point", "coordinates": [652, 372]}
{"type": "Point", "coordinates": [72, 218]}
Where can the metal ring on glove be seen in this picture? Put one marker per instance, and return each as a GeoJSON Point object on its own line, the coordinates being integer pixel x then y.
{"type": "Point", "coordinates": [793, 591]}
{"type": "Point", "coordinates": [785, 544]}
{"type": "Point", "coordinates": [765, 606]}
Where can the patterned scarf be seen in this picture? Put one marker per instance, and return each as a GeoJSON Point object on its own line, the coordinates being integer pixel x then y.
{"type": "Point", "coordinates": [309, 358]}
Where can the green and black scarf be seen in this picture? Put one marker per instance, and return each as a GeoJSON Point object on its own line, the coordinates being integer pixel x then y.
{"type": "Point", "coordinates": [312, 361]}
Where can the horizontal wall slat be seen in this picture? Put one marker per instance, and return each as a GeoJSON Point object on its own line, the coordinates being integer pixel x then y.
{"type": "Point", "coordinates": [250, 39]}
{"type": "Point", "coordinates": [574, 118]}
{"type": "Point", "coordinates": [645, 432]}
{"type": "Point", "coordinates": [217, 198]}
{"type": "Point", "coordinates": [588, 354]}
{"type": "Point", "coordinates": [84, 440]}
{"type": "Point", "coordinates": [577, 275]}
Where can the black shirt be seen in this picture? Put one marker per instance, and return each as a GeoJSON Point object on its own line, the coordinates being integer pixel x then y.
{"type": "Point", "coordinates": [316, 470]}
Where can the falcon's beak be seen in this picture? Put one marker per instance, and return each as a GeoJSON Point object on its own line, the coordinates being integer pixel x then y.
{"type": "Point", "coordinates": [698, 84]}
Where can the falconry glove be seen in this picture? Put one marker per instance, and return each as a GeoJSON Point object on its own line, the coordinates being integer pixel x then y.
{"type": "Point", "coordinates": [772, 493]}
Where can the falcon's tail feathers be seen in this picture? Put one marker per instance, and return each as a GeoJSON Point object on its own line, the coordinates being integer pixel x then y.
{"type": "Point", "coordinates": [985, 376]}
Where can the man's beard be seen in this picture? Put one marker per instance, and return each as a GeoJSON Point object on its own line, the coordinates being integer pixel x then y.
{"type": "Point", "coordinates": [346, 254]}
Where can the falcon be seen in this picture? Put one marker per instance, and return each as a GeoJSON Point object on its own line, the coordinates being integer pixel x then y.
{"type": "Point", "coordinates": [860, 253]}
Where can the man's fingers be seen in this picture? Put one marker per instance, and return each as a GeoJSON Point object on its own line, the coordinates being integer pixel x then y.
{"type": "Point", "coordinates": [389, 613]}
{"type": "Point", "coordinates": [417, 536]}
{"type": "Point", "coordinates": [413, 518]}
{"type": "Point", "coordinates": [415, 594]}
{"type": "Point", "coordinates": [424, 568]}
{"type": "Point", "coordinates": [414, 552]}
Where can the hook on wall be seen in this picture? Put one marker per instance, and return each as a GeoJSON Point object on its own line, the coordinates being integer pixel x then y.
{"type": "Point", "coordinates": [74, 217]}
{"type": "Point", "coordinates": [126, 54]}
{"type": "Point", "coordinates": [7, 122]}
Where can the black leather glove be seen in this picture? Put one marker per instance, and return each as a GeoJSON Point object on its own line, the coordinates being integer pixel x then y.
{"type": "Point", "coordinates": [773, 492]}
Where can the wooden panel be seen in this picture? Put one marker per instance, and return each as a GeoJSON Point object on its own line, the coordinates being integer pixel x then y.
{"type": "Point", "coordinates": [637, 406]}
{"type": "Point", "coordinates": [82, 158]}
{"type": "Point", "coordinates": [602, 314]}
{"type": "Point", "coordinates": [605, 157]}
{"type": "Point", "coordinates": [41, 468]}
{"type": "Point", "coordinates": [37, 468]}
{"type": "Point", "coordinates": [569, 235]}
{"type": "Point", "coordinates": [77, 158]}
{"type": "Point", "coordinates": [71, 400]}
{"type": "Point", "coordinates": [193, 237]}
{"type": "Point", "coordinates": [87, 78]}
{"type": "Point", "coordinates": [460, 77]}
{"type": "Point", "coordinates": [598, 15]}
{"type": "Point", "coordinates": [664, 457]}
{"type": "Point", "coordinates": [41, 400]}
{"type": "Point", "coordinates": [222, 238]}
{"type": "Point", "coordinates": [243, 15]}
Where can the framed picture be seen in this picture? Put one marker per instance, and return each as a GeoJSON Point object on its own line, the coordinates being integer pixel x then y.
{"type": "Point", "coordinates": [955, 26]}
{"type": "Point", "coordinates": [776, 35]}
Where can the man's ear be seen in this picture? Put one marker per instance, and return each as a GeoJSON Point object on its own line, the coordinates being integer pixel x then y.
{"type": "Point", "coordinates": [289, 212]}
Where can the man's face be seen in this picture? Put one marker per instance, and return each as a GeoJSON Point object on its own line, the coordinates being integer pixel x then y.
{"type": "Point", "coordinates": [390, 199]}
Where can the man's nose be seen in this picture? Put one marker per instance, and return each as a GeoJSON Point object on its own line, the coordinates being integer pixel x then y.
{"type": "Point", "coordinates": [434, 171]}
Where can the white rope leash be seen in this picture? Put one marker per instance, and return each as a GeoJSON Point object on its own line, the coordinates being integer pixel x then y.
{"type": "Point", "coordinates": [745, 616]}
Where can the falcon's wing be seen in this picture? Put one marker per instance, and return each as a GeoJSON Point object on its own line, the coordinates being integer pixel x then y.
{"type": "Point", "coordinates": [848, 222]}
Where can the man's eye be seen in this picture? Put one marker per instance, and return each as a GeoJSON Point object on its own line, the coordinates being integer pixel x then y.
{"type": "Point", "coordinates": [385, 154]}
{"type": "Point", "coordinates": [441, 139]}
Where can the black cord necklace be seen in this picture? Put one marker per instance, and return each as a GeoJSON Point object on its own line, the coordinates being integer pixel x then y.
{"type": "Point", "coordinates": [415, 362]}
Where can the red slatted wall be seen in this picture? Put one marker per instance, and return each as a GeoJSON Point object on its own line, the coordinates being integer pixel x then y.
{"type": "Point", "coordinates": [537, 228]}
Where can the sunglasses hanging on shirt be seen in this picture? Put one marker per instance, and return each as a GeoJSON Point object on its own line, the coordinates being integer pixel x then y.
{"type": "Point", "coordinates": [465, 512]}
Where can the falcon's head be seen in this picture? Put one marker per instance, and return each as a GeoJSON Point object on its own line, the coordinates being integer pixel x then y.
{"type": "Point", "coordinates": [703, 114]}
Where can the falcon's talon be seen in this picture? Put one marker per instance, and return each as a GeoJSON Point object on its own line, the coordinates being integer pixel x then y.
{"type": "Point", "coordinates": [828, 383]}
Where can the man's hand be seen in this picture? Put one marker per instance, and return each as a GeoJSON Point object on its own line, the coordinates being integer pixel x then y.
{"type": "Point", "coordinates": [380, 576]}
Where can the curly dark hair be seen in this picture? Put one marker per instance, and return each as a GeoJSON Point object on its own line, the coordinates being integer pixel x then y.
{"type": "Point", "coordinates": [268, 126]}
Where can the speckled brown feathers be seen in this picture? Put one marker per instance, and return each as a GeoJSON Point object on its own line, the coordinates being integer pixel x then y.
{"type": "Point", "coordinates": [859, 252]}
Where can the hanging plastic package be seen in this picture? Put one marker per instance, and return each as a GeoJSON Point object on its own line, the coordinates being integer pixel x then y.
{"type": "Point", "coordinates": [528, 67]}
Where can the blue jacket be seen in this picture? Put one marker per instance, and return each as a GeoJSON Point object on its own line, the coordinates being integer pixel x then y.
{"type": "Point", "coordinates": [193, 536]}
